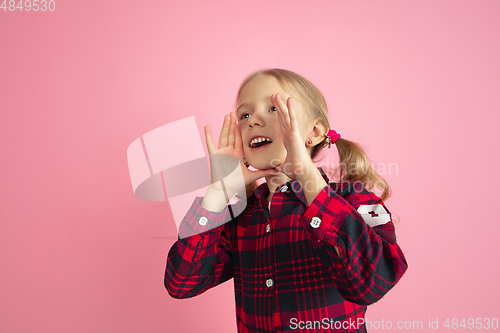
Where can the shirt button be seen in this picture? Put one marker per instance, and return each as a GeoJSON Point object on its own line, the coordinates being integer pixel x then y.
{"type": "Point", "coordinates": [315, 222]}
{"type": "Point", "coordinates": [268, 228]}
{"type": "Point", "coordinates": [203, 220]}
{"type": "Point", "coordinates": [284, 188]}
{"type": "Point", "coordinates": [269, 283]}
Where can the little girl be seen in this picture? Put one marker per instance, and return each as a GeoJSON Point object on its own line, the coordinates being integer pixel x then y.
{"type": "Point", "coordinates": [306, 253]}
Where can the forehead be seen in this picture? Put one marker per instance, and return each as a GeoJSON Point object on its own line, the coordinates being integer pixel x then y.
{"type": "Point", "coordinates": [260, 89]}
{"type": "Point", "coordinates": [262, 86]}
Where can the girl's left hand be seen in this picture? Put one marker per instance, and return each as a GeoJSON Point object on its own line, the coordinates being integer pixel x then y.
{"type": "Point", "coordinates": [297, 162]}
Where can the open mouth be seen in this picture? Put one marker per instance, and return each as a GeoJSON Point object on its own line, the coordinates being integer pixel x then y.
{"type": "Point", "coordinates": [259, 142]}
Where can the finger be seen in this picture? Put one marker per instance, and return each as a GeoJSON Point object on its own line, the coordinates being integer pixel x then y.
{"type": "Point", "coordinates": [224, 132]}
{"type": "Point", "coordinates": [281, 116]}
{"type": "Point", "coordinates": [232, 117]}
{"type": "Point", "coordinates": [293, 114]}
{"type": "Point", "coordinates": [209, 140]}
{"type": "Point", "coordinates": [280, 167]}
{"type": "Point", "coordinates": [238, 142]}
{"type": "Point", "coordinates": [284, 110]}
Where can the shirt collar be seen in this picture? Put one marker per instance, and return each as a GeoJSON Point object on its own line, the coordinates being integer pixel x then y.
{"type": "Point", "coordinates": [262, 192]}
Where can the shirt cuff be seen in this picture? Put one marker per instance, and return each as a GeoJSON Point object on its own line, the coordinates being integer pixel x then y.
{"type": "Point", "coordinates": [199, 219]}
{"type": "Point", "coordinates": [325, 213]}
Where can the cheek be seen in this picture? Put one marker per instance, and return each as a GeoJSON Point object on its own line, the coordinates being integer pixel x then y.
{"type": "Point", "coordinates": [244, 141]}
{"type": "Point", "coordinates": [277, 128]}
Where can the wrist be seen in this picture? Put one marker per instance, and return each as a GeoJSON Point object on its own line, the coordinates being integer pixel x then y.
{"type": "Point", "coordinates": [308, 173]}
{"type": "Point", "coordinates": [312, 183]}
{"type": "Point", "coordinates": [215, 199]}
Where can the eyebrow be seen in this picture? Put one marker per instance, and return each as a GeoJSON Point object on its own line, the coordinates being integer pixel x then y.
{"type": "Point", "coordinates": [242, 105]}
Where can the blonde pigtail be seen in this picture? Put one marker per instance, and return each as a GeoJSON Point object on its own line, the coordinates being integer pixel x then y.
{"type": "Point", "coordinates": [355, 166]}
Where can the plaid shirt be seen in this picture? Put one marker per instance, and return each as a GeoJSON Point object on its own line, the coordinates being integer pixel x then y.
{"type": "Point", "coordinates": [287, 273]}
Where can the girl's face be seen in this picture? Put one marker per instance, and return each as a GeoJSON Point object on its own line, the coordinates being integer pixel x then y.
{"type": "Point", "coordinates": [258, 119]}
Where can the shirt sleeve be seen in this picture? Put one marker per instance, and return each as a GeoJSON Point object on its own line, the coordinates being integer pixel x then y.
{"type": "Point", "coordinates": [369, 262]}
{"type": "Point", "coordinates": [204, 259]}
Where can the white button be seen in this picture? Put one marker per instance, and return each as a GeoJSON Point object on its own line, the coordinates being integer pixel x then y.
{"type": "Point", "coordinates": [315, 222]}
{"type": "Point", "coordinates": [284, 188]}
{"type": "Point", "coordinates": [203, 220]}
{"type": "Point", "coordinates": [269, 283]}
{"type": "Point", "coordinates": [268, 228]}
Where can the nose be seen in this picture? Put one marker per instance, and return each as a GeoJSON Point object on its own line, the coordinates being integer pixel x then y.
{"type": "Point", "coordinates": [256, 119]}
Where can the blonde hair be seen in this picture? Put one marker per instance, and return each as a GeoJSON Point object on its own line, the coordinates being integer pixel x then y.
{"type": "Point", "coordinates": [354, 164]}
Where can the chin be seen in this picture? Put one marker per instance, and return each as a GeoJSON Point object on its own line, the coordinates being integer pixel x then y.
{"type": "Point", "coordinates": [262, 160]}
{"type": "Point", "coordinates": [262, 165]}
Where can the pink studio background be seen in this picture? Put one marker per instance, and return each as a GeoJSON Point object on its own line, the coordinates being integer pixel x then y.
{"type": "Point", "coordinates": [416, 82]}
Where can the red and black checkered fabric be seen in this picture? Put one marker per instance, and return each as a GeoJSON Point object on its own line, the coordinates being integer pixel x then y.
{"type": "Point", "coordinates": [288, 276]}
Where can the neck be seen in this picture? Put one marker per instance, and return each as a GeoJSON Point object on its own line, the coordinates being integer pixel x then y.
{"type": "Point", "coordinates": [274, 181]}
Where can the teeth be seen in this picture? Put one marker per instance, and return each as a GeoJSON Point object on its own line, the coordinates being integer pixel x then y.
{"type": "Point", "coordinates": [257, 140]}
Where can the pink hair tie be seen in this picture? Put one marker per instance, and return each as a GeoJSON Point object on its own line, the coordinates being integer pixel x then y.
{"type": "Point", "coordinates": [331, 137]}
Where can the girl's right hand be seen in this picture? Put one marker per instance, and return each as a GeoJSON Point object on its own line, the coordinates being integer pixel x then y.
{"type": "Point", "coordinates": [230, 143]}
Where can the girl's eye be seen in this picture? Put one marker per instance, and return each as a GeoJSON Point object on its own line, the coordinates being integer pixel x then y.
{"type": "Point", "coordinates": [248, 115]}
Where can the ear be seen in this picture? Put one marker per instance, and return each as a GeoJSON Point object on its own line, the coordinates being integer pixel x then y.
{"type": "Point", "coordinates": [317, 133]}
